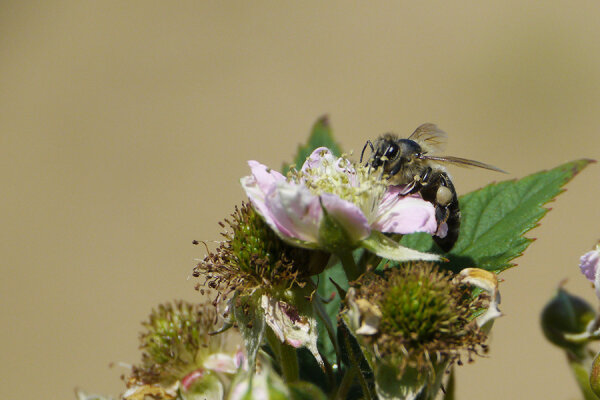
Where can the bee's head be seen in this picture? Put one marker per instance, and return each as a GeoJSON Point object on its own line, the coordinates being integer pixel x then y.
{"type": "Point", "coordinates": [392, 153]}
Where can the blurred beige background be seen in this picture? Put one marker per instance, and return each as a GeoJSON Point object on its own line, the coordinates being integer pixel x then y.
{"type": "Point", "coordinates": [125, 127]}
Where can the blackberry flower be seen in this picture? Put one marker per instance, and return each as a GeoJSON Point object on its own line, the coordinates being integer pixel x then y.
{"type": "Point", "coordinates": [335, 205]}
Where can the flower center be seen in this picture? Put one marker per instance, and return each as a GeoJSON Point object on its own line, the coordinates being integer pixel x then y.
{"type": "Point", "coordinates": [425, 314]}
{"type": "Point", "coordinates": [347, 180]}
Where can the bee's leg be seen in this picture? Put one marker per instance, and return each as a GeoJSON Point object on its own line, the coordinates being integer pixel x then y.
{"type": "Point", "coordinates": [447, 212]}
{"type": "Point", "coordinates": [412, 187]}
{"type": "Point", "coordinates": [418, 182]}
{"type": "Point", "coordinates": [441, 216]}
{"type": "Point", "coordinates": [426, 175]}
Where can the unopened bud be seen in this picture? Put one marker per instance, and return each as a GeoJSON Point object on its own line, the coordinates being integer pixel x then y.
{"type": "Point", "coordinates": [566, 314]}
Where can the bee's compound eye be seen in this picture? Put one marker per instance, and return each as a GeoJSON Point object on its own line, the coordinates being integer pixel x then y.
{"type": "Point", "coordinates": [392, 151]}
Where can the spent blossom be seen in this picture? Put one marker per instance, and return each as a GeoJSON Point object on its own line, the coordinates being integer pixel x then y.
{"type": "Point", "coordinates": [416, 320]}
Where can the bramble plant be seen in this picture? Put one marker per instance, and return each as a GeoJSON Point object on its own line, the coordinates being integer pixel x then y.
{"type": "Point", "coordinates": [331, 278]}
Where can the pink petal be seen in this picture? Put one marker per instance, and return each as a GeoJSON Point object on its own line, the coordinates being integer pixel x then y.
{"type": "Point", "coordinates": [588, 263]}
{"type": "Point", "coordinates": [265, 177]}
{"type": "Point", "coordinates": [405, 214]}
{"type": "Point", "coordinates": [296, 211]}
{"type": "Point", "coordinates": [348, 215]}
{"type": "Point", "coordinates": [258, 199]}
{"type": "Point", "coordinates": [259, 185]}
{"type": "Point", "coordinates": [316, 158]}
{"type": "Point", "coordinates": [267, 190]}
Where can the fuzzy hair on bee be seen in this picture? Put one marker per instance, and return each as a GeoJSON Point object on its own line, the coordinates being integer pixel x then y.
{"type": "Point", "coordinates": [412, 163]}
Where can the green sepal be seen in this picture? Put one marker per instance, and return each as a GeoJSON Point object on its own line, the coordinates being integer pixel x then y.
{"type": "Point", "coordinates": [385, 247]}
{"type": "Point", "coordinates": [251, 322]}
{"type": "Point", "coordinates": [411, 384]}
{"type": "Point", "coordinates": [390, 385]}
{"type": "Point", "coordinates": [321, 136]}
{"type": "Point", "coordinates": [333, 236]}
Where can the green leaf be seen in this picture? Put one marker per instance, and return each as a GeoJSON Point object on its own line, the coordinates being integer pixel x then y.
{"type": "Point", "coordinates": [321, 136]}
{"type": "Point", "coordinates": [327, 291]}
{"type": "Point", "coordinates": [496, 217]}
{"type": "Point", "coordinates": [354, 357]}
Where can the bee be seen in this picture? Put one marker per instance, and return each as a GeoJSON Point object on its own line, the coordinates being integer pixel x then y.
{"type": "Point", "coordinates": [411, 163]}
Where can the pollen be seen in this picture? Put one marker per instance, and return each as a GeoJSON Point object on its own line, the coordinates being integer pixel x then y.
{"type": "Point", "coordinates": [348, 180]}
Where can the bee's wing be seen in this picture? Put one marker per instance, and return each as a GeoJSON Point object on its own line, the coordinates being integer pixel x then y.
{"type": "Point", "coordinates": [462, 162]}
{"type": "Point", "coordinates": [431, 138]}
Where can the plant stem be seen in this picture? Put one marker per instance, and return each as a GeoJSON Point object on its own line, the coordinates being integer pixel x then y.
{"type": "Point", "coordinates": [286, 355]}
{"type": "Point", "coordinates": [350, 268]}
{"type": "Point", "coordinates": [289, 363]}
{"type": "Point", "coordinates": [346, 383]}
{"type": "Point", "coordinates": [581, 369]}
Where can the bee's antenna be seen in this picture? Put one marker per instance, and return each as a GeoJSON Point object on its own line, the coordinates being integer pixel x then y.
{"type": "Point", "coordinates": [362, 153]}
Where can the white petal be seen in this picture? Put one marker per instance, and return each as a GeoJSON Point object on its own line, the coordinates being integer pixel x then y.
{"type": "Point", "coordinates": [486, 281]}
{"type": "Point", "coordinates": [296, 210]}
{"type": "Point", "coordinates": [289, 326]}
{"type": "Point", "coordinates": [404, 214]}
{"type": "Point", "coordinates": [221, 362]}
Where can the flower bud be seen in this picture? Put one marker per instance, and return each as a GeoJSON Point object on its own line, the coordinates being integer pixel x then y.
{"type": "Point", "coordinates": [566, 314]}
